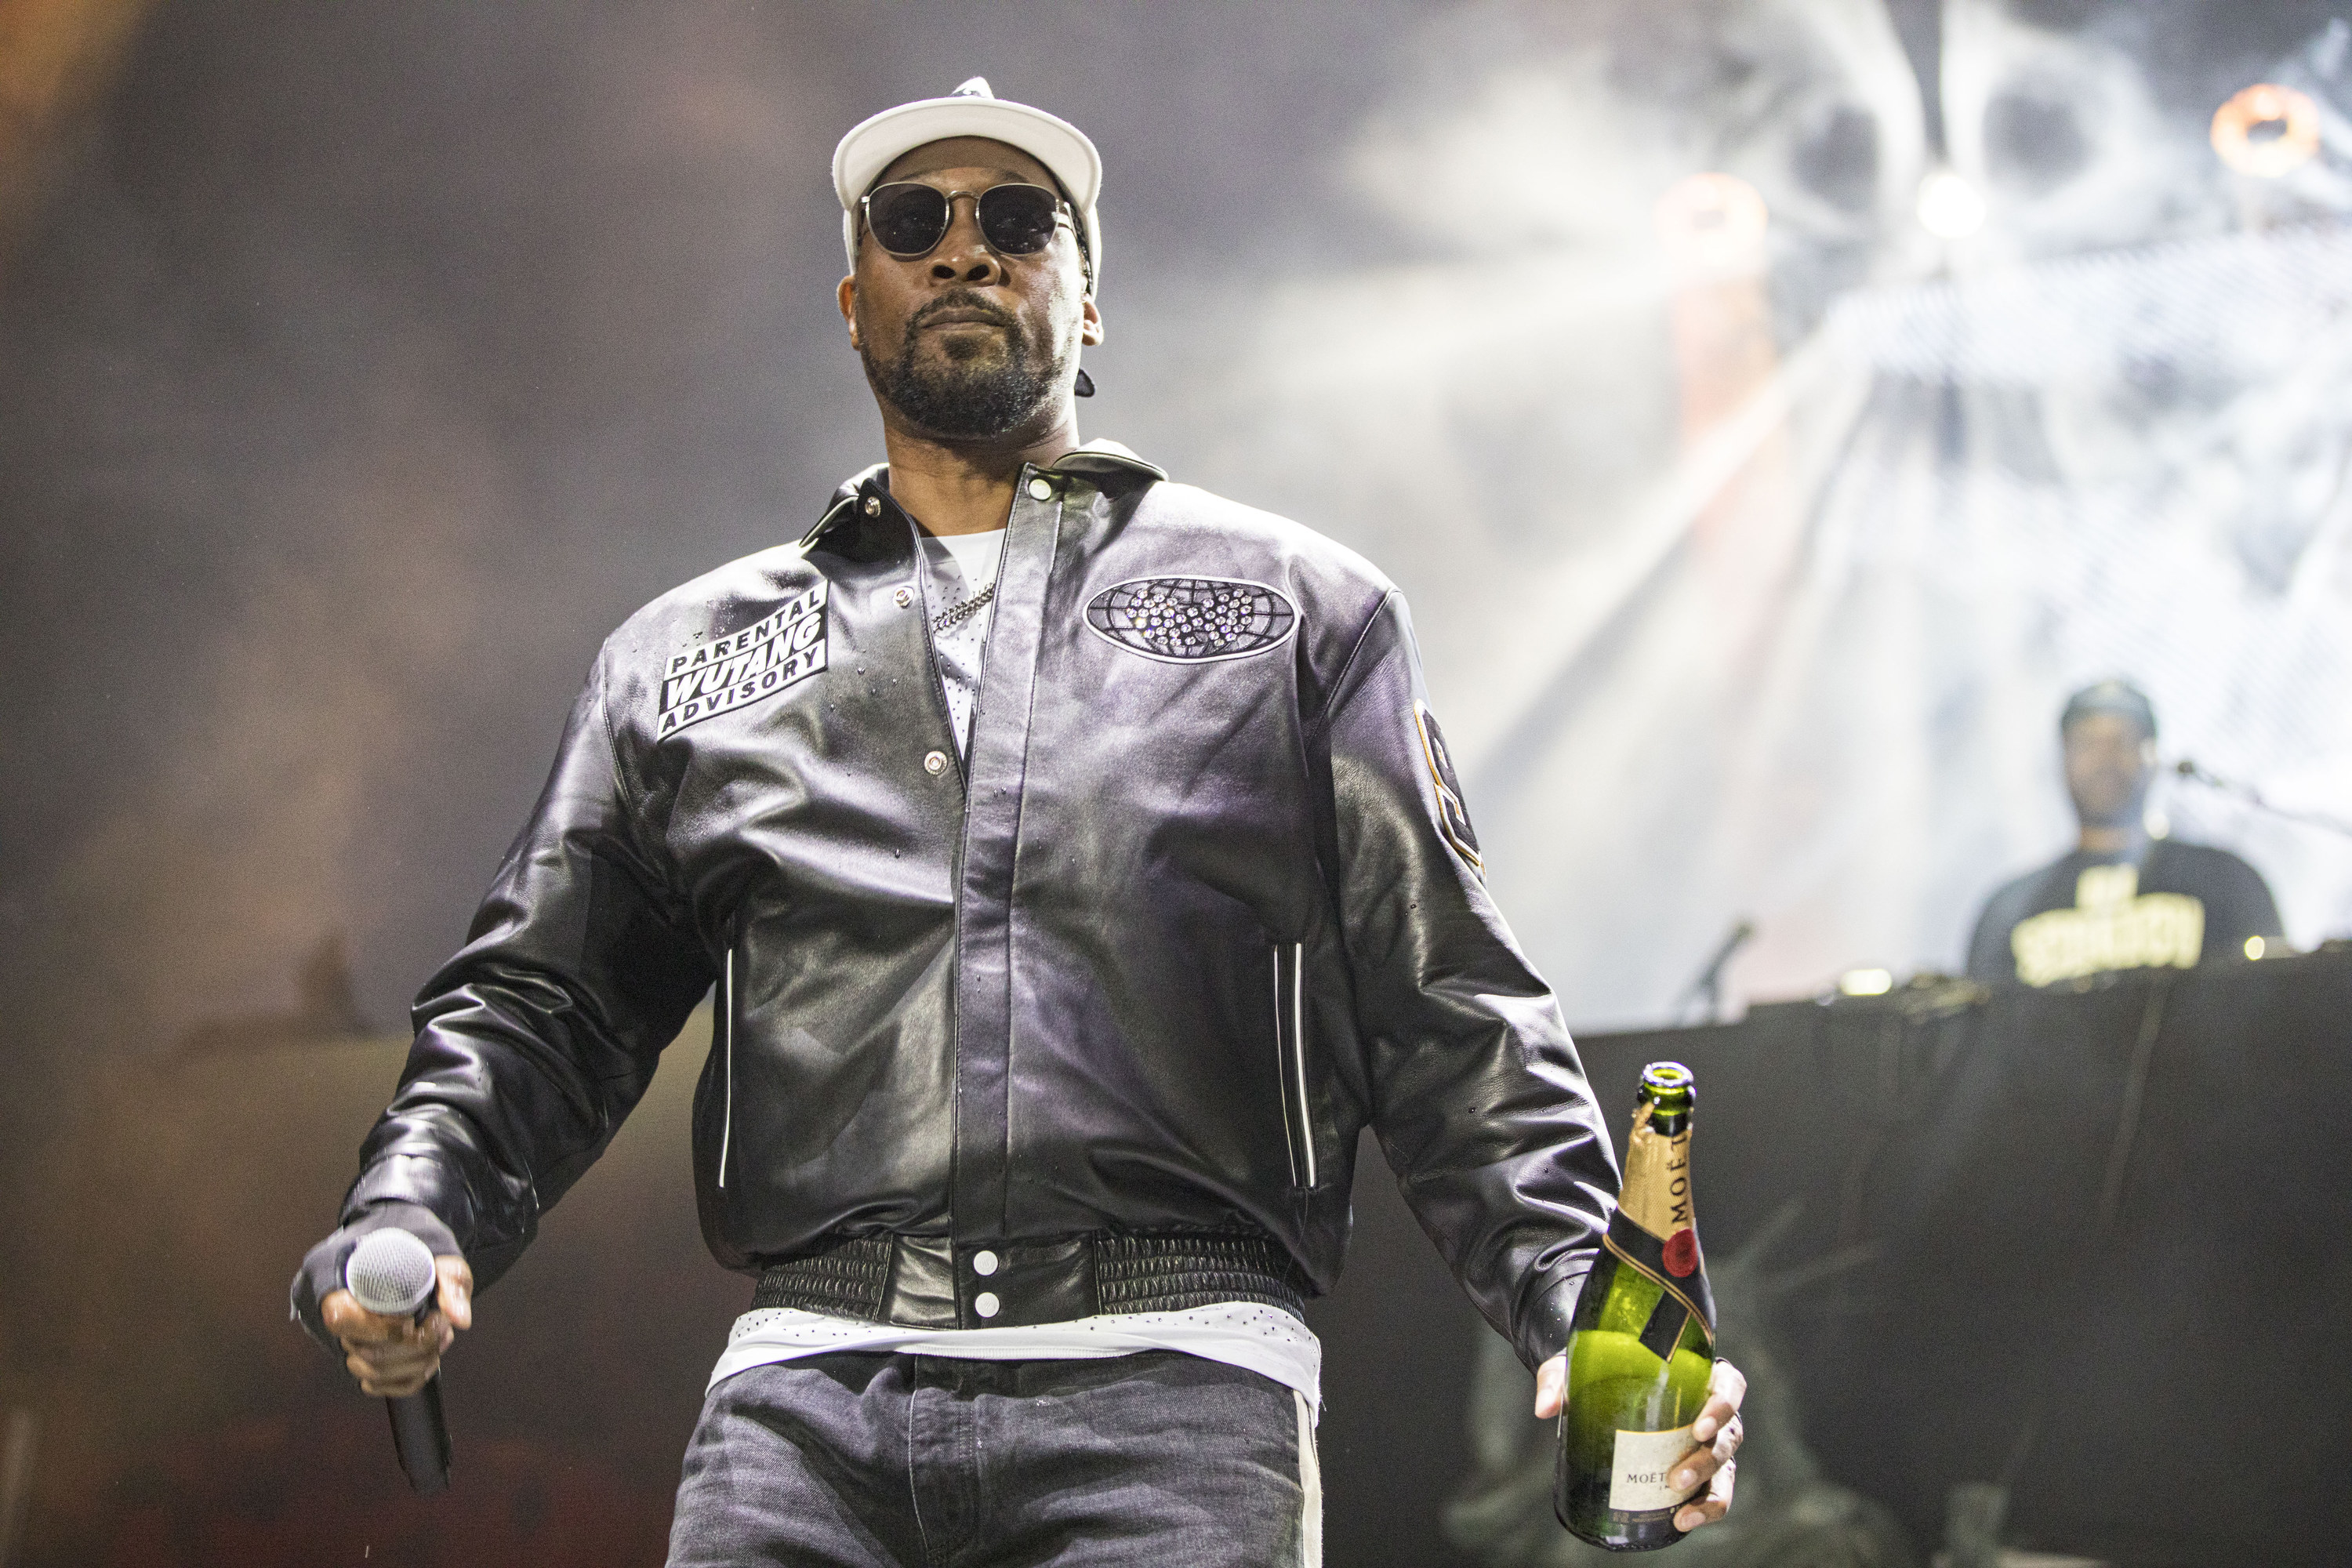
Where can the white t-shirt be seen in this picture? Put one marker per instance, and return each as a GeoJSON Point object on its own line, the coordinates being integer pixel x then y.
{"type": "Point", "coordinates": [1260, 1339]}
{"type": "Point", "coordinates": [959, 596]}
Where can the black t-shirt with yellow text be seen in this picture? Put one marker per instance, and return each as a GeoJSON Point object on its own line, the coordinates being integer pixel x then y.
{"type": "Point", "coordinates": [2180, 904]}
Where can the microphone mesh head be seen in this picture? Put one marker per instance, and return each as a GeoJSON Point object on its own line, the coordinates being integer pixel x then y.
{"type": "Point", "coordinates": [390, 1272]}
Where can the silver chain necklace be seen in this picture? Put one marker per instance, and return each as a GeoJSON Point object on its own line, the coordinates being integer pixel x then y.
{"type": "Point", "coordinates": [957, 615]}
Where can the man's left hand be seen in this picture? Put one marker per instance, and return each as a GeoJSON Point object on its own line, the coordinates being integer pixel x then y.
{"type": "Point", "coordinates": [1716, 1434]}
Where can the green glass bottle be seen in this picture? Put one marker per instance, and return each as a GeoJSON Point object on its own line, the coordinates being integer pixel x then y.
{"type": "Point", "coordinates": [1641, 1345]}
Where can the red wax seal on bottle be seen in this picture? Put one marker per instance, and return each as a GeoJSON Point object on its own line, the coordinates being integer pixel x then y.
{"type": "Point", "coordinates": [1681, 1253]}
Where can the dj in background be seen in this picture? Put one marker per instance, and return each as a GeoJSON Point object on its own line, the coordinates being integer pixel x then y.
{"type": "Point", "coordinates": [2121, 899]}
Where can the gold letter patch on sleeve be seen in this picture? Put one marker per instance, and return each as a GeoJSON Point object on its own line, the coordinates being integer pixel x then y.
{"type": "Point", "coordinates": [1453, 817]}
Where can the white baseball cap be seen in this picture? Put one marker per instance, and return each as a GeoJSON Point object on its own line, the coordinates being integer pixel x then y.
{"type": "Point", "coordinates": [873, 145]}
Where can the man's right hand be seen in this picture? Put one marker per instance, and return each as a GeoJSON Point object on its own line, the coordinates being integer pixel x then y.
{"type": "Point", "coordinates": [394, 1357]}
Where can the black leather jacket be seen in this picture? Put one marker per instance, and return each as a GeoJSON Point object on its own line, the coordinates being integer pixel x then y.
{"type": "Point", "coordinates": [1202, 905]}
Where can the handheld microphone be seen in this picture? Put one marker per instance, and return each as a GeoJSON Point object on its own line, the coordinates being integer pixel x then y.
{"type": "Point", "coordinates": [391, 1273]}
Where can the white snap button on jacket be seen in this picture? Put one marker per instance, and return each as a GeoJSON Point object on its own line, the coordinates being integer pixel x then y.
{"type": "Point", "coordinates": [1040, 490]}
{"type": "Point", "coordinates": [983, 1263]}
{"type": "Point", "coordinates": [935, 761]}
{"type": "Point", "coordinates": [902, 596]}
{"type": "Point", "coordinates": [873, 506]}
{"type": "Point", "coordinates": [986, 1303]}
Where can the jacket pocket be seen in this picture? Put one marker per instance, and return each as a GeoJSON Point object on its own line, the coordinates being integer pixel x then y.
{"type": "Point", "coordinates": [1290, 1059]}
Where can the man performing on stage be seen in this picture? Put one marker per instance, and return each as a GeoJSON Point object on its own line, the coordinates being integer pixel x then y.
{"type": "Point", "coordinates": [1078, 869]}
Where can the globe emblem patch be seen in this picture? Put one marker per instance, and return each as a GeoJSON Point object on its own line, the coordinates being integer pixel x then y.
{"type": "Point", "coordinates": [1191, 620]}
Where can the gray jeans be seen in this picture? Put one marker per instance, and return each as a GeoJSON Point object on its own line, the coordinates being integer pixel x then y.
{"type": "Point", "coordinates": [908, 1461]}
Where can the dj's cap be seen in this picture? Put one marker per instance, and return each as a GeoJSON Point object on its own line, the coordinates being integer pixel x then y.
{"type": "Point", "coordinates": [2114, 695]}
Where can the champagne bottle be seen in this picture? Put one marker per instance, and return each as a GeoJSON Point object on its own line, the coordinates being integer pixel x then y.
{"type": "Point", "coordinates": [1641, 1345]}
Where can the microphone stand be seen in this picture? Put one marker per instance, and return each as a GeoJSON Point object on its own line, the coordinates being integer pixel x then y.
{"type": "Point", "coordinates": [2188, 768]}
{"type": "Point", "coordinates": [1708, 987]}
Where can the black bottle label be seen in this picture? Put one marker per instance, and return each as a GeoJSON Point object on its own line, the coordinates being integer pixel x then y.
{"type": "Point", "coordinates": [1657, 1259]}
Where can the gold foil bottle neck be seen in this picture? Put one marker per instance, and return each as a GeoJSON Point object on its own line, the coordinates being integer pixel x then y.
{"type": "Point", "coordinates": [1657, 1191]}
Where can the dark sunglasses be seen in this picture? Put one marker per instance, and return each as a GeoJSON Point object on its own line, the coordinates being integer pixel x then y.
{"type": "Point", "coordinates": [909, 218]}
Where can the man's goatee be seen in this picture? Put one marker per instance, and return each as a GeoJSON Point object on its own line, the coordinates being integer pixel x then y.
{"type": "Point", "coordinates": [962, 398]}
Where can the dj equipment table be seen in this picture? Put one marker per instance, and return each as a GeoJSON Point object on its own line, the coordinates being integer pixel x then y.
{"type": "Point", "coordinates": [2093, 1241]}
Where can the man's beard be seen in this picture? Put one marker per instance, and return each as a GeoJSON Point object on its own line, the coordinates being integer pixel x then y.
{"type": "Point", "coordinates": [974, 398]}
{"type": "Point", "coordinates": [2128, 812]}
{"type": "Point", "coordinates": [2121, 806]}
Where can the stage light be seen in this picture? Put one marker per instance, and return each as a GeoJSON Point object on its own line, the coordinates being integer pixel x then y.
{"type": "Point", "coordinates": [1867, 981]}
{"type": "Point", "coordinates": [1713, 224]}
{"type": "Point", "coordinates": [1950, 207]}
{"type": "Point", "coordinates": [2266, 130]}
{"type": "Point", "coordinates": [2254, 947]}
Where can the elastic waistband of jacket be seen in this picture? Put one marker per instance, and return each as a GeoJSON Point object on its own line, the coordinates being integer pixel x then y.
{"type": "Point", "coordinates": [932, 1282]}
